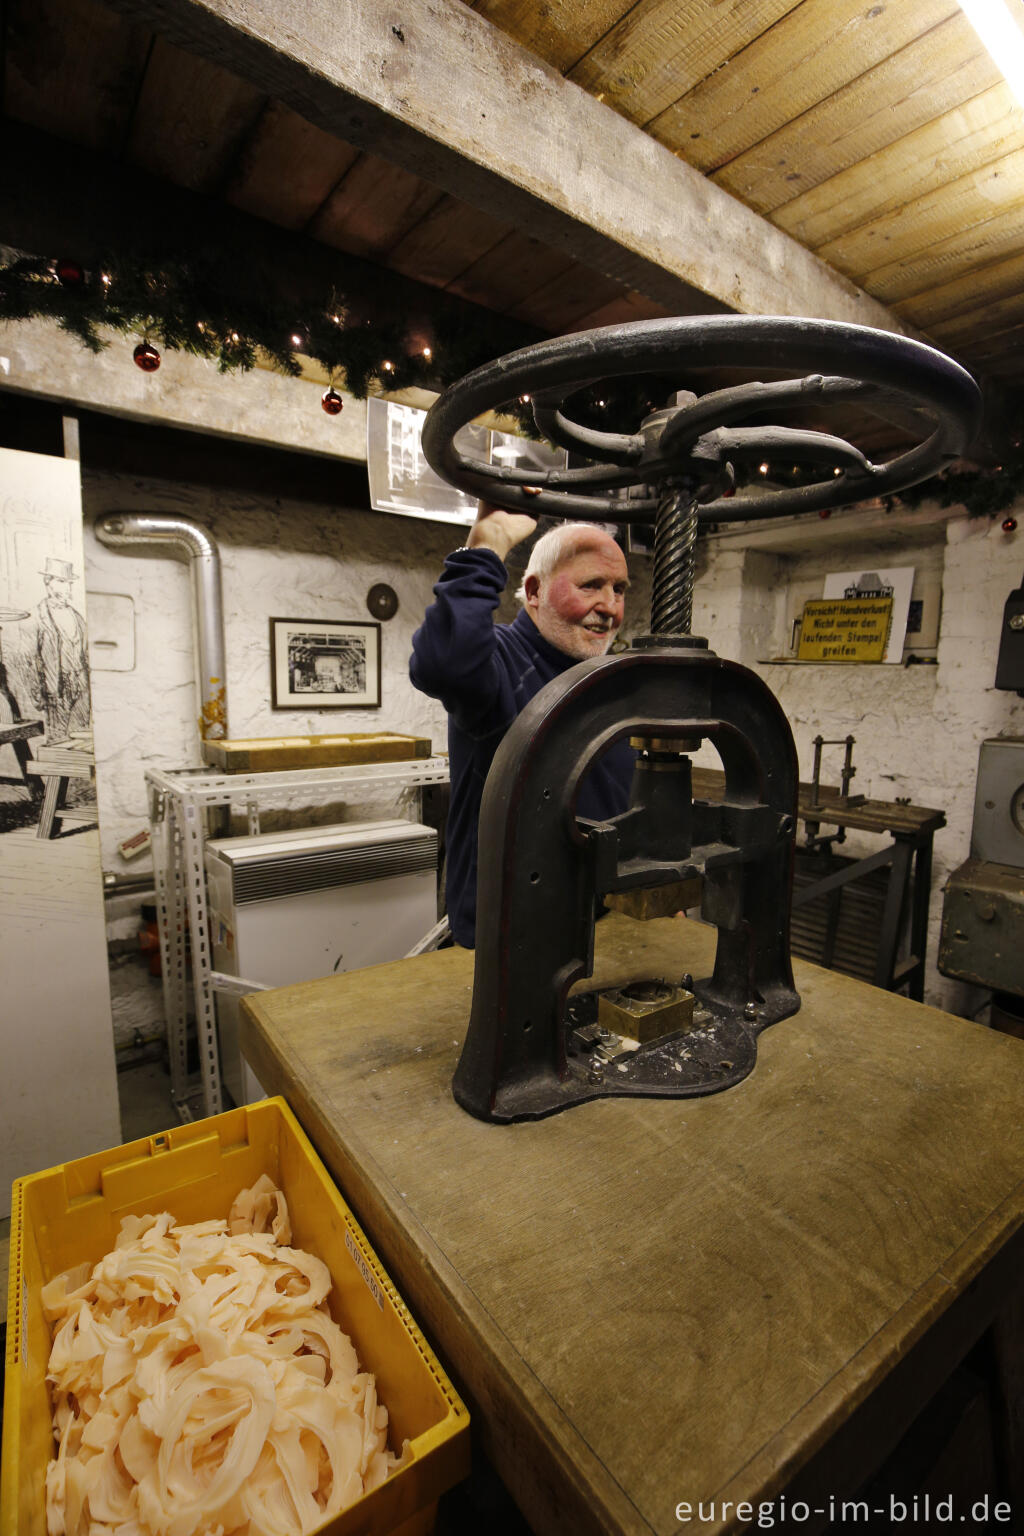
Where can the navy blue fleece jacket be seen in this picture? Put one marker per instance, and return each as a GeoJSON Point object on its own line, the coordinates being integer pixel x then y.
{"type": "Point", "coordinates": [484, 673]}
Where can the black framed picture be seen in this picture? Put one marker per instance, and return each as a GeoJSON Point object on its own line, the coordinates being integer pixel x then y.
{"type": "Point", "coordinates": [324, 664]}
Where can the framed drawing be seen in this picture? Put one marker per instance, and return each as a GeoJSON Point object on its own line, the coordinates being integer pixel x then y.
{"type": "Point", "coordinates": [324, 664]}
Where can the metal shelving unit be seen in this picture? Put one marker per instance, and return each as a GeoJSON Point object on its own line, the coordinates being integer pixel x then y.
{"type": "Point", "coordinates": [179, 805]}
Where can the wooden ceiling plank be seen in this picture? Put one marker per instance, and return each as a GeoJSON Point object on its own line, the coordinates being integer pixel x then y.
{"type": "Point", "coordinates": [288, 168]}
{"type": "Point", "coordinates": [961, 295]}
{"type": "Point", "coordinates": [661, 49]}
{"type": "Point", "coordinates": [191, 118]}
{"type": "Point", "coordinates": [905, 232]}
{"type": "Point", "coordinates": [372, 207]}
{"type": "Point", "coordinates": [951, 259]}
{"type": "Point", "coordinates": [503, 276]}
{"type": "Point", "coordinates": [987, 320]}
{"type": "Point", "coordinates": [1006, 370]}
{"type": "Point", "coordinates": [556, 305]}
{"type": "Point", "coordinates": [558, 31]}
{"type": "Point", "coordinates": [805, 58]}
{"type": "Point", "coordinates": [450, 237]}
{"type": "Point", "coordinates": [620, 311]}
{"type": "Point", "coordinates": [930, 76]}
{"type": "Point", "coordinates": [999, 354]}
{"type": "Point", "coordinates": [440, 91]}
{"type": "Point", "coordinates": [72, 68]}
{"type": "Point", "coordinates": [959, 144]}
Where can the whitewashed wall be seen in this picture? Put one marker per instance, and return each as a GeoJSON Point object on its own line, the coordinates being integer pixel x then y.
{"type": "Point", "coordinates": [284, 559]}
{"type": "Point", "coordinates": [278, 558]}
{"type": "Point", "coordinates": [918, 729]}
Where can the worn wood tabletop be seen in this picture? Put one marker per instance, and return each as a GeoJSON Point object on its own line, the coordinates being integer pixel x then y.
{"type": "Point", "coordinates": [649, 1302]}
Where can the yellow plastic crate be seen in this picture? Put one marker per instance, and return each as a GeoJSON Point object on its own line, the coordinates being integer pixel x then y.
{"type": "Point", "coordinates": [72, 1213]}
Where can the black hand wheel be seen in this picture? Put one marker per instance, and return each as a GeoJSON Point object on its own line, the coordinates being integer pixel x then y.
{"type": "Point", "coordinates": [689, 444]}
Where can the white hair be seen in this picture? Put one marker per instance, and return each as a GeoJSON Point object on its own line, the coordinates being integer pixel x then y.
{"type": "Point", "coordinates": [553, 548]}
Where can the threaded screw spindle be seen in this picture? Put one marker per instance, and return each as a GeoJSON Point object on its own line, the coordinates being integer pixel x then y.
{"type": "Point", "coordinates": [675, 540]}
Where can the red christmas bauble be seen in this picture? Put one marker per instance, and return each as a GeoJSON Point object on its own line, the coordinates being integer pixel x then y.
{"type": "Point", "coordinates": [69, 272]}
{"type": "Point", "coordinates": [146, 357]}
{"type": "Point", "coordinates": [331, 402]}
{"type": "Point", "coordinates": [1009, 525]}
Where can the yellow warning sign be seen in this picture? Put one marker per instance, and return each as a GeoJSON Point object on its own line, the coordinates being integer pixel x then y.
{"type": "Point", "coordinates": [845, 629]}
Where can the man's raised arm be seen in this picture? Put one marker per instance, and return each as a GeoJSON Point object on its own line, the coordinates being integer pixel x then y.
{"type": "Point", "coordinates": [453, 649]}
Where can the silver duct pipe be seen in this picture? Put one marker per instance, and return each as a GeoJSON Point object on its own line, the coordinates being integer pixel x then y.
{"type": "Point", "coordinates": [187, 541]}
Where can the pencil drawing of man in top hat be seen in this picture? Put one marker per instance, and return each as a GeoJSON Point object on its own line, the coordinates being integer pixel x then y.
{"type": "Point", "coordinates": [60, 683]}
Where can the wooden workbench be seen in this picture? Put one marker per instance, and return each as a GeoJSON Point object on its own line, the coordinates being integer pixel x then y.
{"type": "Point", "coordinates": [653, 1302]}
{"type": "Point", "coordinates": [908, 860]}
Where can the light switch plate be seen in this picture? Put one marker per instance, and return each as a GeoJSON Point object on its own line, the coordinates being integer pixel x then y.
{"type": "Point", "coordinates": [111, 623]}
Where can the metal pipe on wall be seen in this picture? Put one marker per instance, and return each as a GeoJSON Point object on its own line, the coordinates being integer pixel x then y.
{"type": "Point", "coordinates": [191, 542]}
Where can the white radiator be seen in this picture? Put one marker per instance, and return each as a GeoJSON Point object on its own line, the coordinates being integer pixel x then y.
{"type": "Point", "coordinates": [293, 906]}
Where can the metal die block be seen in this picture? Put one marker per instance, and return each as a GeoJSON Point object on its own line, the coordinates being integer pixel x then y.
{"type": "Point", "coordinates": [649, 901]}
{"type": "Point", "coordinates": [646, 1010]}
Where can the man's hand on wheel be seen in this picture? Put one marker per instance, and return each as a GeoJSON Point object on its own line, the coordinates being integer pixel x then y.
{"type": "Point", "coordinates": [499, 530]}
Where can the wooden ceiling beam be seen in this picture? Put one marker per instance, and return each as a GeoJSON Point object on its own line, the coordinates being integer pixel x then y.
{"type": "Point", "coordinates": [95, 206]}
{"type": "Point", "coordinates": [435, 88]}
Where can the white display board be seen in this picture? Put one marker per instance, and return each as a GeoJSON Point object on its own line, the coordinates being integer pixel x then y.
{"type": "Point", "coordinates": [402, 481]}
{"type": "Point", "coordinates": [896, 582]}
{"type": "Point", "coordinates": [58, 1085]}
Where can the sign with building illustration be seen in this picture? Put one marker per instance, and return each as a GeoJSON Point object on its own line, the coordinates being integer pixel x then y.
{"type": "Point", "coordinates": [872, 583]}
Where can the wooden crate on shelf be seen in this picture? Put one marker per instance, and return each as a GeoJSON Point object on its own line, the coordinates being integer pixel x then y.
{"type": "Point", "coordinates": [262, 754]}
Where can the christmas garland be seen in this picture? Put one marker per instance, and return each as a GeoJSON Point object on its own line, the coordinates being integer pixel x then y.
{"type": "Point", "coordinates": [198, 305]}
{"type": "Point", "coordinates": [981, 492]}
{"type": "Point", "coordinates": [189, 304]}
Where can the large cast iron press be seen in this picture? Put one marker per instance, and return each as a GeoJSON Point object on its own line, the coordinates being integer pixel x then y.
{"type": "Point", "coordinates": [531, 1049]}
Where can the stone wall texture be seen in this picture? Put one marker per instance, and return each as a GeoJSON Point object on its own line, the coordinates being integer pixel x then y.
{"type": "Point", "coordinates": [919, 728]}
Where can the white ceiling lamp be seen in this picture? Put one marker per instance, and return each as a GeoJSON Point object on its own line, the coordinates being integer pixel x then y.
{"type": "Point", "coordinates": [995, 23]}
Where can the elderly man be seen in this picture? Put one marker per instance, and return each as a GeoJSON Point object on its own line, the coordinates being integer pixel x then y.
{"type": "Point", "coordinates": [573, 596]}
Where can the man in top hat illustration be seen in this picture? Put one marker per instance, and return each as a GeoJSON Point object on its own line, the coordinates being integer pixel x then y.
{"type": "Point", "coordinates": [60, 684]}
